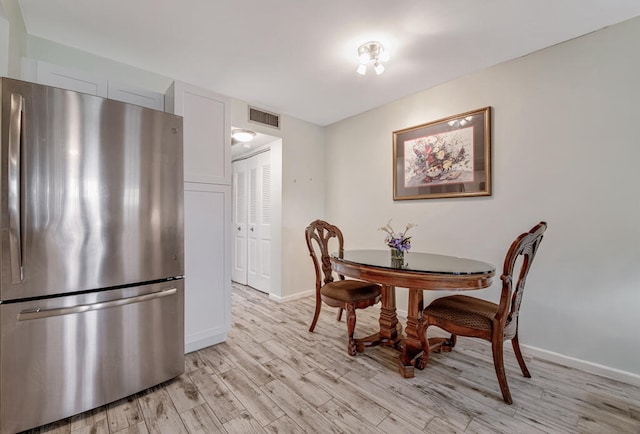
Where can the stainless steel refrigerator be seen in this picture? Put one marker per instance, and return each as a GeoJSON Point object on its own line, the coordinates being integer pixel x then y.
{"type": "Point", "coordinates": [92, 255]}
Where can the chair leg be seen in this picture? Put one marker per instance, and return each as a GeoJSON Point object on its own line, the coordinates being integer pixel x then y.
{"type": "Point", "coordinates": [351, 326]}
{"type": "Point", "coordinates": [339, 316]}
{"type": "Point", "coordinates": [498, 362]}
{"type": "Point", "coordinates": [451, 342]}
{"type": "Point", "coordinates": [317, 314]}
{"type": "Point", "coordinates": [516, 350]}
{"type": "Point", "coordinates": [423, 359]}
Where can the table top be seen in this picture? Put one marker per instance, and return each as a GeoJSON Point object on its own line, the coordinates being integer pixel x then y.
{"type": "Point", "coordinates": [417, 262]}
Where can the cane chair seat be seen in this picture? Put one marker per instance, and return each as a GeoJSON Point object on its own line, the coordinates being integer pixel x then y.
{"type": "Point", "coordinates": [350, 291]}
{"type": "Point", "coordinates": [465, 311]}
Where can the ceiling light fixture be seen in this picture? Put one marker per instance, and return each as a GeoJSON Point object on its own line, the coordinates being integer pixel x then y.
{"type": "Point", "coordinates": [373, 53]}
{"type": "Point", "coordinates": [242, 135]}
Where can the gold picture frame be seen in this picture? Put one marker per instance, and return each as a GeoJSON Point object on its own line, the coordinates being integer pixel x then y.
{"type": "Point", "coordinates": [450, 157]}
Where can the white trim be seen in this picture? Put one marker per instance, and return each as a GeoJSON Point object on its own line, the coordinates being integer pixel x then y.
{"type": "Point", "coordinates": [203, 340]}
{"type": "Point", "coordinates": [291, 297]}
{"type": "Point", "coordinates": [582, 365]}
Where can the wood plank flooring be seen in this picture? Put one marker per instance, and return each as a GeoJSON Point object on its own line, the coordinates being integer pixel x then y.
{"type": "Point", "coordinates": [272, 375]}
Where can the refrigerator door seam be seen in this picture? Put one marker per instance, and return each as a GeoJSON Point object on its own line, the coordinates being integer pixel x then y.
{"type": "Point", "coordinates": [38, 313]}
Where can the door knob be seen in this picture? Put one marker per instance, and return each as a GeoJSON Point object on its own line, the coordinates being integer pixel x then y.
{"type": "Point", "coordinates": [238, 227]}
{"type": "Point", "coordinates": [251, 229]}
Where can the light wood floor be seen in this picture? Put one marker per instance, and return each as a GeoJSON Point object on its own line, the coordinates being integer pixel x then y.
{"type": "Point", "coordinates": [272, 375]}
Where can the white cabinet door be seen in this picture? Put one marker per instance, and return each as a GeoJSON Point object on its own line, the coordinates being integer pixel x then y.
{"type": "Point", "coordinates": [134, 95]}
{"type": "Point", "coordinates": [239, 187]}
{"type": "Point", "coordinates": [41, 72]}
{"type": "Point", "coordinates": [259, 222]}
{"type": "Point", "coordinates": [65, 78]}
{"type": "Point", "coordinates": [207, 132]}
{"type": "Point", "coordinates": [207, 214]}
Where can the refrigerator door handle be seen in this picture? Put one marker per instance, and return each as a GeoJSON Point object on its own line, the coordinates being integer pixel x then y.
{"type": "Point", "coordinates": [37, 313]}
{"type": "Point", "coordinates": [14, 163]}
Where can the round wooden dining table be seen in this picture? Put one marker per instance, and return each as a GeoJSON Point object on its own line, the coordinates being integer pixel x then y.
{"type": "Point", "coordinates": [417, 272]}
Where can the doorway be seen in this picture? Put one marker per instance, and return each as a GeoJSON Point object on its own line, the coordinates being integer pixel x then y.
{"type": "Point", "coordinates": [254, 218]}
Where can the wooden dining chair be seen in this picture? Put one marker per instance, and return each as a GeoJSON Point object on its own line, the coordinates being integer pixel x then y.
{"type": "Point", "coordinates": [473, 317]}
{"type": "Point", "coordinates": [343, 294]}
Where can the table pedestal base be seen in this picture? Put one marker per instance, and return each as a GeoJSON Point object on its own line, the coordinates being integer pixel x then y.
{"type": "Point", "coordinates": [390, 333]}
{"type": "Point", "coordinates": [436, 345]}
{"type": "Point", "coordinates": [412, 355]}
{"type": "Point", "coordinates": [378, 339]}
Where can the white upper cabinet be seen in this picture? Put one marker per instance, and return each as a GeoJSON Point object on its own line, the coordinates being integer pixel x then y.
{"type": "Point", "coordinates": [207, 132]}
{"type": "Point", "coordinates": [41, 72]}
{"type": "Point", "coordinates": [134, 95]}
{"type": "Point", "coordinates": [49, 74]}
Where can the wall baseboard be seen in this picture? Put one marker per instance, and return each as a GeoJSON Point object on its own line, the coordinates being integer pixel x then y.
{"type": "Point", "coordinates": [582, 365]}
{"type": "Point", "coordinates": [197, 343]}
{"type": "Point", "coordinates": [292, 297]}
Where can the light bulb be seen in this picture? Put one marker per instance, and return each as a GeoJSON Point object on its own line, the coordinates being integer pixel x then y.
{"type": "Point", "coordinates": [243, 135]}
{"type": "Point", "coordinates": [362, 69]}
{"type": "Point", "coordinates": [378, 68]}
{"type": "Point", "coordinates": [364, 57]}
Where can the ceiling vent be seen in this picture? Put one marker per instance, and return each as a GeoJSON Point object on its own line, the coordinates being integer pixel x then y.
{"type": "Point", "coordinates": [265, 118]}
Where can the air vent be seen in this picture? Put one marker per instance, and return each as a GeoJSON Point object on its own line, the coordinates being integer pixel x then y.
{"type": "Point", "coordinates": [265, 118]}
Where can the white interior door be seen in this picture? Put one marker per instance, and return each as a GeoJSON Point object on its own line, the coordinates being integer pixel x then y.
{"type": "Point", "coordinates": [259, 222]}
{"type": "Point", "coordinates": [239, 237]}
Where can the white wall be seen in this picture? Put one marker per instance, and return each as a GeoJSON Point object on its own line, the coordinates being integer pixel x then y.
{"type": "Point", "coordinates": [4, 45]}
{"type": "Point", "coordinates": [565, 149]}
{"type": "Point", "coordinates": [13, 38]}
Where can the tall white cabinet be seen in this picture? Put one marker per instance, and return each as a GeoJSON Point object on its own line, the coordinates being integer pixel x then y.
{"type": "Point", "coordinates": [207, 212]}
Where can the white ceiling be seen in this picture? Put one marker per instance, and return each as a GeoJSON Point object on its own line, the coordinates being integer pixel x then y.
{"type": "Point", "coordinates": [298, 57]}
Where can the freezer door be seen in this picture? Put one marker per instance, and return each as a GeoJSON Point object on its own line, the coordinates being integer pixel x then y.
{"type": "Point", "coordinates": [92, 192]}
{"type": "Point", "coordinates": [65, 355]}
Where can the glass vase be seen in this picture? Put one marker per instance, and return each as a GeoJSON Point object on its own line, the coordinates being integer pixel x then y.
{"type": "Point", "coordinates": [397, 254]}
{"type": "Point", "coordinates": [397, 258]}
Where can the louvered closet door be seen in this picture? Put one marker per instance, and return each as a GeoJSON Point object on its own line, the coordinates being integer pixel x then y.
{"type": "Point", "coordinates": [239, 236]}
{"type": "Point", "coordinates": [259, 222]}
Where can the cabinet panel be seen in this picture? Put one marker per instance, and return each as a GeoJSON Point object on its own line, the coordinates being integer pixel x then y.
{"type": "Point", "coordinates": [50, 74]}
{"type": "Point", "coordinates": [207, 132]}
{"type": "Point", "coordinates": [66, 78]}
{"type": "Point", "coordinates": [207, 210]}
{"type": "Point", "coordinates": [134, 95]}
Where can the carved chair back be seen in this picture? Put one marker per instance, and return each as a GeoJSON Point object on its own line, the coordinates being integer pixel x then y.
{"type": "Point", "coordinates": [318, 235]}
{"type": "Point", "coordinates": [522, 250]}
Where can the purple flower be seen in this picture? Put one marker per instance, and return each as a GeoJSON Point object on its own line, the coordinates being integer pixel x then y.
{"type": "Point", "coordinates": [397, 240]}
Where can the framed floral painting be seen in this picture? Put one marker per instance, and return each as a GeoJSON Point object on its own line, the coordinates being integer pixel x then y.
{"type": "Point", "coordinates": [449, 157]}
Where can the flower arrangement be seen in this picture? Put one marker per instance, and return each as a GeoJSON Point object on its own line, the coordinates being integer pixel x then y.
{"type": "Point", "coordinates": [397, 240]}
{"type": "Point", "coordinates": [439, 158]}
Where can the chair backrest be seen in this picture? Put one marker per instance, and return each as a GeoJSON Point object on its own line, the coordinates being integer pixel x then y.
{"type": "Point", "coordinates": [525, 246]}
{"type": "Point", "coordinates": [318, 235]}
